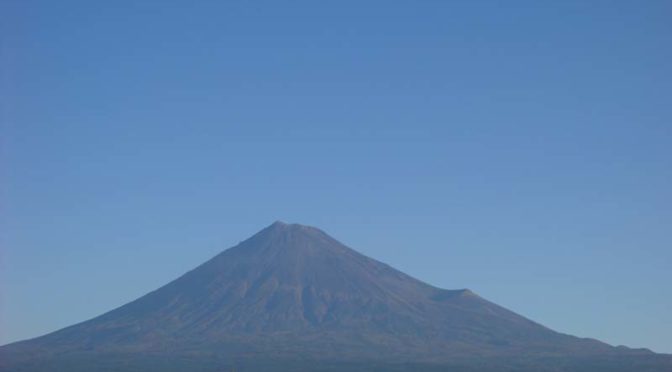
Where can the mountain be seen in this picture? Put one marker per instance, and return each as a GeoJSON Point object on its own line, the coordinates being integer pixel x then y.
{"type": "Point", "coordinates": [293, 298]}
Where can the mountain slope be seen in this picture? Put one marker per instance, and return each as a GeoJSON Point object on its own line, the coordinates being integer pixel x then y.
{"type": "Point", "coordinates": [292, 292]}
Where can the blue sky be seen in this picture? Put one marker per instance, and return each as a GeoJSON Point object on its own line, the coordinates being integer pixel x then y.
{"type": "Point", "coordinates": [520, 149]}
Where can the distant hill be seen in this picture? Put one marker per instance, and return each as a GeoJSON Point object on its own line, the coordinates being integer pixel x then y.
{"type": "Point", "coordinates": [293, 298]}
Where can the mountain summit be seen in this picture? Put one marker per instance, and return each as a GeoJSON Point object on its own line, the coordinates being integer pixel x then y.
{"type": "Point", "coordinates": [293, 293]}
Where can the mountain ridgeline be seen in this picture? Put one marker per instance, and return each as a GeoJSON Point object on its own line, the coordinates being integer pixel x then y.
{"type": "Point", "coordinates": [293, 298]}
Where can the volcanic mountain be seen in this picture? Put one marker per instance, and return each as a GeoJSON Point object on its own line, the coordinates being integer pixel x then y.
{"type": "Point", "coordinates": [291, 296]}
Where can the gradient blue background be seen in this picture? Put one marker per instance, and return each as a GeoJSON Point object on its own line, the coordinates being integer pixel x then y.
{"type": "Point", "coordinates": [521, 149]}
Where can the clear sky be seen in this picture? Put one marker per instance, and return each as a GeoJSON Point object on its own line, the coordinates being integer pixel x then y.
{"type": "Point", "coordinates": [522, 149]}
